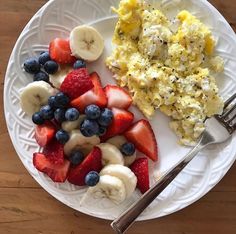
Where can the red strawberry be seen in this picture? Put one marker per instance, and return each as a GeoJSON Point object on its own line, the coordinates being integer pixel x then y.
{"type": "Point", "coordinates": [94, 96]}
{"type": "Point", "coordinates": [117, 97]}
{"type": "Point", "coordinates": [93, 162]}
{"type": "Point", "coordinates": [59, 50]}
{"type": "Point", "coordinates": [76, 83]}
{"type": "Point", "coordinates": [54, 151]}
{"type": "Point", "coordinates": [140, 169]}
{"type": "Point", "coordinates": [58, 173]}
{"type": "Point", "coordinates": [143, 137]}
{"type": "Point", "coordinates": [122, 120]}
{"type": "Point", "coordinates": [44, 133]}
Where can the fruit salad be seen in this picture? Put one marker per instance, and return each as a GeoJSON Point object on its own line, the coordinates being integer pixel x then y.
{"type": "Point", "coordinates": [86, 132]}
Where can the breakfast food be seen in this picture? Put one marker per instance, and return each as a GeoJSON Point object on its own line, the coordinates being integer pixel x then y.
{"type": "Point", "coordinates": [80, 125]}
{"type": "Point", "coordinates": [86, 43]}
{"type": "Point", "coordinates": [124, 174]}
{"type": "Point", "coordinates": [57, 78]}
{"type": "Point", "coordinates": [143, 137]}
{"type": "Point", "coordinates": [44, 133]}
{"type": "Point", "coordinates": [117, 97]}
{"type": "Point", "coordinates": [76, 83]}
{"type": "Point", "coordinates": [167, 65]}
{"type": "Point", "coordinates": [140, 169]}
{"type": "Point", "coordinates": [110, 187]}
{"type": "Point", "coordinates": [72, 125]}
{"type": "Point", "coordinates": [35, 95]}
{"type": "Point", "coordinates": [119, 141]}
{"type": "Point", "coordinates": [111, 154]}
{"type": "Point", "coordinates": [92, 162]}
{"type": "Point", "coordinates": [57, 172]}
{"type": "Point", "coordinates": [122, 119]}
{"type": "Point", "coordinates": [94, 96]}
{"type": "Point", "coordinates": [78, 141]}
{"type": "Point", "coordinates": [60, 51]}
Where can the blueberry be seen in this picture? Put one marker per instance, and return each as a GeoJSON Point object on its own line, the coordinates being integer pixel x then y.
{"type": "Point", "coordinates": [127, 149]}
{"type": "Point", "coordinates": [52, 102]}
{"type": "Point", "coordinates": [61, 100]}
{"type": "Point", "coordinates": [79, 64]}
{"type": "Point", "coordinates": [51, 67]}
{"type": "Point", "coordinates": [32, 66]}
{"type": "Point", "coordinates": [105, 118]}
{"type": "Point", "coordinates": [62, 136]}
{"type": "Point", "coordinates": [72, 114]}
{"type": "Point", "coordinates": [44, 57]}
{"type": "Point", "coordinates": [76, 158]}
{"type": "Point", "coordinates": [37, 118]}
{"type": "Point", "coordinates": [41, 76]}
{"type": "Point", "coordinates": [47, 112]}
{"type": "Point", "coordinates": [59, 115]}
{"type": "Point", "coordinates": [89, 128]}
{"type": "Point", "coordinates": [92, 112]}
{"type": "Point", "coordinates": [92, 178]}
{"type": "Point", "coordinates": [102, 130]}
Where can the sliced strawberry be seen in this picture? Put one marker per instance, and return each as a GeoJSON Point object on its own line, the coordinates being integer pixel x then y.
{"type": "Point", "coordinates": [117, 97]}
{"type": "Point", "coordinates": [54, 151]}
{"type": "Point", "coordinates": [59, 50]}
{"type": "Point", "coordinates": [58, 173]}
{"type": "Point", "coordinates": [94, 96]}
{"type": "Point", "coordinates": [76, 83]}
{"type": "Point", "coordinates": [93, 162]}
{"type": "Point", "coordinates": [140, 169]}
{"type": "Point", "coordinates": [44, 133]}
{"type": "Point", "coordinates": [122, 120]}
{"type": "Point", "coordinates": [143, 137]}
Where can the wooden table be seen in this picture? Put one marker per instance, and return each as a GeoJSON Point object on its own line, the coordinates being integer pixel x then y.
{"type": "Point", "coordinates": [25, 208]}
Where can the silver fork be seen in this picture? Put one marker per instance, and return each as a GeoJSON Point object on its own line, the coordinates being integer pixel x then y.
{"type": "Point", "coordinates": [218, 129]}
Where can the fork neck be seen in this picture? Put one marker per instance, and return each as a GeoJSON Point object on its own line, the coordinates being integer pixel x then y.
{"type": "Point", "coordinates": [205, 140]}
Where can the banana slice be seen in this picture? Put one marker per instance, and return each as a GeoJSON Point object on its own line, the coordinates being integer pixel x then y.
{"type": "Point", "coordinates": [68, 126]}
{"type": "Point", "coordinates": [35, 95]}
{"type": "Point", "coordinates": [110, 154]}
{"type": "Point", "coordinates": [118, 141]}
{"type": "Point", "coordinates": [79, 142]}
{"type": "Point", "coordinates": [123, 173]}
{"type": "Point", "coordinates": [57, 78]}
{"type": "Point", "coordinates": [128, 160]}
{"type": "Point", "coordinates": [86, 43]}
{"type": "Point", "coordinates": [109, 187]}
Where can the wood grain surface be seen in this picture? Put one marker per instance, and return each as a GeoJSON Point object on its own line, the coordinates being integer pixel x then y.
{"type": "Point", "coordinates": [25, 208]}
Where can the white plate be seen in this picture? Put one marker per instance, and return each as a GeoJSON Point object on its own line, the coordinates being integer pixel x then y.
{"type": "Point", "coordinates": [56, 19]}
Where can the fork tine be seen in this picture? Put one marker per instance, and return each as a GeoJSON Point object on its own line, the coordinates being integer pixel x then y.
{"type": "Point", "coordinates": [224, 118]}
{"type": "Point", "coordinates": [234, 127]}
{"type": "Point", "coordinates": [231, 119]}
{"type": "Point", "coordinates": [229, 111]}
{"type": "Point", "coordinates": [229, 100]}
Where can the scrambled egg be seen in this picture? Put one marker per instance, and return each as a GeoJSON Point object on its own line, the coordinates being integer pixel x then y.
{"type": "Point", "coordinates": [165, 68]}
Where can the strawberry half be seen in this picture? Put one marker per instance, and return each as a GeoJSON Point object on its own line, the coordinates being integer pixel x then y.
{"type": "Point", "coordinates": [140, 169]}
{"type": "Point", "coordinates": [143, 137]}
{"type": "Point", "coordinates": [117, 97]}
{"type": "Point", "coordinates": [44, 133]}
{"type": "Point", "coordinates": [93, 162]}
{"type": "Point", "coordinates": [58, 173]}
{"type": "Point", "coordinates": [54, 151]}
{"type": "Point", "coordinates": [122, 120]}
{"type": "Point", "coordinates": [76, 83]}
{"type": "Point", "coordinates": [94, 96]}
{"type": "Point", "coordinates": [59, 50]}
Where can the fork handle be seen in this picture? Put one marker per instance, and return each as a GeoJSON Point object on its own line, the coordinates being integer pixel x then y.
{"type": "Point", "coordinates": [125, 220]}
